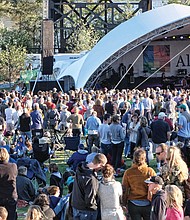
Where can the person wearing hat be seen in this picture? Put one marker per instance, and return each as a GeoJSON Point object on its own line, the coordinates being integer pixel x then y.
{"type": "Point", "coordinates": [164, 130]}
{"type": "Point", "coordinates": [64, 125]}
{"type": "Point", "coordinates": [52, 117]}
{"type": "Point", "coordinates": [77, 157]}
{"type": "Point", "coordinates": [158, 198]}
{"type": "Point", "coordinates": [183, 127]}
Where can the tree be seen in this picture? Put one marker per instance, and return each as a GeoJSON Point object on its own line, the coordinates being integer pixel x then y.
{"type": "Point", "coordinates": [19, 38]}
{"type": "Point", "coordinates": [12, 61]}
{"type": "Point", "coordinates": [27, 17]}
{"type": "Point", "coordinates": [83, 38]}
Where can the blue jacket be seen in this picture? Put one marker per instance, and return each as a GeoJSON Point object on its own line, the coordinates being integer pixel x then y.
{"type": "Point", "coordinates": [76, 158]}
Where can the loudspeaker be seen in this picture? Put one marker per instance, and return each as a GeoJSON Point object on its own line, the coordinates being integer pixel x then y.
{"type": "Point", "coordinates": [47, 67]}
{"type": "Point", "coordinates": [47, 47]}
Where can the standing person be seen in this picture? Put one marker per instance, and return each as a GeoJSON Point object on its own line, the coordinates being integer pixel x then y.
{"type": "Point", "coordinates": [8, 193]}
{"type": "Point", "coordinates": [85, 189]}
{"type": "Point", "coordinates": [77, 121]}
{"type": "Point", "coordinates": [174, 202]}
{"type": "Point", "coordinates": [92, 125]}
{"type": "Point", "coordinates": [143, 136]}
{"type": "Point", "coordinates": [135, 189]}
{"type": "Point", "coordinates": [105, 135]}
{"type": "Point", "coordinates": [164, 130]}
{"type": "Point", "coordinates": [118, 136]}
{"type": "Point", "coordinates": [36, 117]}
{"type": "Point", "coordinates": [133, 130]}
{"type": "Point", "coordinates": [9, 117]}
{"type": "Point", "coordinates": [183, 127]}
{"type": "Point", "coordinates": [158, 198]}
{"type": "Point", "coordinates": [52, 117]}
{"type": "Point", "coordinates": [161, 154]}
{"type": "Point", "coordinates": [64, 125]}
{"type": "Point", "coordinates": [110, 194]}
{"type": "Point", "coordinates": [24, 124]}
{"type": "Point", "coordinates": [175, 171]}
{"type": "Point", "coordinates": [99, 109]}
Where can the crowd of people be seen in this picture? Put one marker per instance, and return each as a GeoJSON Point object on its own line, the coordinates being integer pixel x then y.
{"type": "Point", "coordinates": [117, 125]}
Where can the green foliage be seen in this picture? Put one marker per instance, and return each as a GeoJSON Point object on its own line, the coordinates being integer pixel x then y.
{"type": "Point", "coordinates": [26, 16]}
{"type": "Point", "coordinates": [19, 38]}
{"type": "Point", "coordinates": [83, 38]}
{"type": "Point", "coordinates": [11, 62]}
{"type": "Point", "coordinates": [184, 2]}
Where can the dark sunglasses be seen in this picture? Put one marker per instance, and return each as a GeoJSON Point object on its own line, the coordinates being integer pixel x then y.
{"type": "Point", "coordinates": [158, 153]}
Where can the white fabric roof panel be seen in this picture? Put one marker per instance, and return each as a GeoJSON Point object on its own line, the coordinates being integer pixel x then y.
{"type": "Point", "coordinates": [122, 35]}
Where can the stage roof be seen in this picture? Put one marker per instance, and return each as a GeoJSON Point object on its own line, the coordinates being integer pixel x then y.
{"type": "Point", "coordinates": [136, 31]}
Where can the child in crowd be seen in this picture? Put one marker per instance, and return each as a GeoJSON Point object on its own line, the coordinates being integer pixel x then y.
{"type": "Point", "coordinates": [21, 148]}
{"type": "Point", "coordinates": [174, 203]}
{"type": "Point", "coordinates": [56, 177]}
{"type": "Point", "coordinates": [3, 213]}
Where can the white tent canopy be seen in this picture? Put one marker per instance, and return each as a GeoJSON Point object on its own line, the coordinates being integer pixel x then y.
{"type": "Point", "coordinates": [134, 32]}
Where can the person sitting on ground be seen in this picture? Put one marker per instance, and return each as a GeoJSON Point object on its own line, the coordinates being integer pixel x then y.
{"type": "Point", "coordinates": [63, 209]}
{"type": "Point", "coordinates": [95, 150]}
{"type": "Point", "coordinates": [21, 148]}
{"type": "Point", "coordinates": [43, 201]}
{"type": "Point", "coordinates": [35, 213]}
{"type": "Point", "coordinates": [25, 188]}
{"type": "Point", "coordinates": [53, 192]}
{"type": "Point", "coordinates": [77, 157]}
{"type": "Point", "coordinates": [157, 197]}
{"type": "Point", "coordinates": [56, 177]}
{"type": "Point", "coordinates": [3, 213]}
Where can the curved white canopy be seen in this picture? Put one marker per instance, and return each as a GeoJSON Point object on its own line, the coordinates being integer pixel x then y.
{"type": "Point", "coordinates": [135, 29]}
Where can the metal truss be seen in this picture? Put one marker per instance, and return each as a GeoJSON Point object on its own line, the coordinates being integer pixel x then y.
{"type": "Point", "coordinates": [103, 15]}
{"type": "Point", "coordinates": [140, 41]}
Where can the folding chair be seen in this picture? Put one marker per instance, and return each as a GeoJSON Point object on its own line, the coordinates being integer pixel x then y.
{"type": "Point", "coordinates": [71, 144]}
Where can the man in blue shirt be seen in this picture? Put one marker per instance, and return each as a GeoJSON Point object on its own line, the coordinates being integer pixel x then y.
{"type": "Point", "coordinates": [183, 126]}
{"type": "Point", "coordinates": [92, 125]}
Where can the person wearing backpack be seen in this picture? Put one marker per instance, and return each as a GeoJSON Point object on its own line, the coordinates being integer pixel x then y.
{"type": "Point", "coordinates": [52, 117]}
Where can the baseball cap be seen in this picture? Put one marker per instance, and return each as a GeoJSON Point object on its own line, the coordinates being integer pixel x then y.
{"type": "Point", "coordinates": [182, 106]}
{"type": "Point", "coordinates": [64, 106]}
{"type": "Point", "coordinates": [161, 115]}
{"type": "Point", "coordinates": [81, 146]}
{"type": "Point", "coordinates": [155, 179]}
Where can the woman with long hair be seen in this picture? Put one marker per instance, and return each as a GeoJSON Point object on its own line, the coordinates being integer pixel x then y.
{"type": "Point", "coordinates": [135, 190]}
{"type": "Point", "coordinates": [143, 134]}
{"type": "Point", "coordinates": [175, 171]}
{"type": "Point", "coordinates": [133, 130]}
{"type": "Point", "coordinates": [174, 203]}
{"type": "Point", "coordinates": [43, 201]}
{"type": "Point", "coordinates": [8, 193]}
{"type": "Point", "coordinates": [99, 109]}
{"type": "Point", "coordinates": [35, 213]}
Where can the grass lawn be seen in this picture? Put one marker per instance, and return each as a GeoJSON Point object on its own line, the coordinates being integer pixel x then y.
{"type": "Point", "coordinates": [61, 161]}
